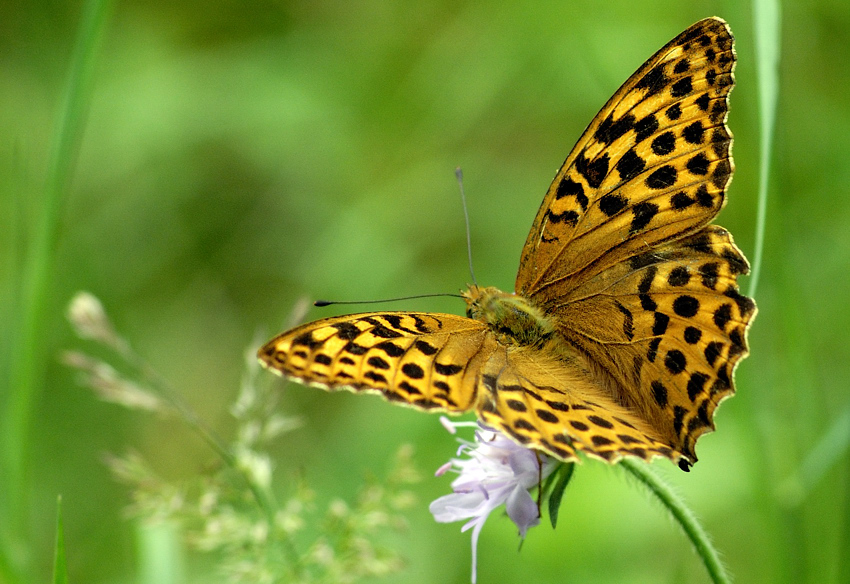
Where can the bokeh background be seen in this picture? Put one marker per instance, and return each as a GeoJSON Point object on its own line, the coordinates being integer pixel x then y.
{"type": "Point", "coordinates": [238, 156]}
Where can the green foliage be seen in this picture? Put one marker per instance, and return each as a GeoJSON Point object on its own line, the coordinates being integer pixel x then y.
{"type": "Point", "coordinates": [558, 481]}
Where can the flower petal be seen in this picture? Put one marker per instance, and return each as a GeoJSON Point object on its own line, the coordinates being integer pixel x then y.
{"type": "Point", "coordinates": [522, 510]}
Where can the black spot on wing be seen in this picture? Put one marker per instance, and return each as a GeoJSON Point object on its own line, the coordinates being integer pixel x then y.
{"type": "Point", "coordinates": [693, 133]}
{"type": "Point", "coordinates": [645, 128]}
{"type": "Point", "coordinates": [692, 335]}
{"type": "Point", "coordinates": [664, 143]}
{"type": "Point", "coordinates": [595, 171]}
{"type": "Point", "coordinates": [379, 330]}
{"type": "Point", "coordinates": [678, 417]}
{"type": "Point", "coordinates": [644, 212]}
{"type": "Point", "coordinates": [307, 340]}
{"type": "Point", "coordinates": [390, 348]}
{"type": "Point", "coordinates": [560, 406]}
{"type": "Point", "coordinates": [647, 303]}
{"type": "Point", "coordinates": [745, 304]}
{"type": "Point", "coordinates": [601, 422]}
{"type": "Point", "coordinates": [682, 66]}
{"type": "Point", "coordinates": [710, 272]}
{"type": "Point", "coordinates": [737, 264]}
{"type": "Point", "coordinates": [410, 389]}
{"type": "Point", "coordinates": [413, 370]}
{"type": "Point", "coordinates": [682, 87]}
{"type": "Point", "coordinates": [377, 362]}
{"type": "Point", "coordinates": [659, 327]}
{"type": "Point", "coordinates": [679, 276]}
{"type": "Point", "coordinates": [704, 198]}
{"type": "Point", "coordinates": [630, 165]}
{"type": "Point", "coordinates": [346, 331]}
{"type": "Point", "coordinates": [355, 349]}
{"type": "Point", "coordinates": [441, 385]}
{"type": "Point", "coordinates": [712, 351]}
{"type": "Point", "coordinates": [654, 81]}
{"type": "Point", "coordinates": [662, 178]}
{"type": "Point", "coordinates": [425, 348]}
{"type": "Point", "coordinates": [718, 110]}
{"type": "Point", "coordinates": [547, 416]}
{"type": "Point", "coordinates": [722, 316]}
{"type": "Point", "coordinates": [516, 405]}
{"type": "Point", "coordinates": [612, 204]}
{"type": "Point", "coordinates": [447, 368]}
{"type": "Point", "coordinates": [395, 322]}
{"type": "Point", "coordinates": [674, 112]}
{"type": "Point", "coordinates": [686, 306]}
{"type": "Point", "coordinates": [675, 361]}
{"type": "Point", "coordinates": [698, 165]}
{"type": "Point", "coordinates": [375, 376]}
{"type": "Point", "coordinates": [570, 188]}
{"type": "Point", "coordinates": [681, 201]}
{"type": "Point", "coordinates": [646, 281]}
{"type": "Point", "coordinates": [659, 392]}
{"type": "Point", "coordinates": [628, 321]}
{"type": "Point", "coordinates": [696, 384]}
{"type": "Point", "coordinates": [652, 352]}
{"type": "Point", "coordinates": [523, 425]}
{"type": "Point", "coordinates": [609, 130]}
{"type": "Point", "coordinates": [569, 217]}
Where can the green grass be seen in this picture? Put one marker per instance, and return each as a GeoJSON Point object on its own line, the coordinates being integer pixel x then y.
{"type": "Point", "coordinates": [210, 164]}
{"type": "Point", "coordinates": [27, 349]}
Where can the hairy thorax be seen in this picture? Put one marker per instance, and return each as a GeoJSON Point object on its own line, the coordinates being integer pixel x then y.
{"type": "Point", "coordinates": [513, 319]}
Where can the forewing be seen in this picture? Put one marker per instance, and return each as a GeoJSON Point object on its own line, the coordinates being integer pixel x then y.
{"type": "Point", "coordinates": [651, 167]}
{"type": "Point", "coordinates": [422, 359]}
{"type": "Point", "coordinates": [666, 329]}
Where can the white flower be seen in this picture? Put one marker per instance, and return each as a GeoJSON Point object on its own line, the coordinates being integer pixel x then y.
{"type": "Point", "coordinates": [497, 471]}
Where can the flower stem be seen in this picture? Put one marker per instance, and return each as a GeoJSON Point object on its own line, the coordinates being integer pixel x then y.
{"type": "Point", "coordinates": [683, 515]}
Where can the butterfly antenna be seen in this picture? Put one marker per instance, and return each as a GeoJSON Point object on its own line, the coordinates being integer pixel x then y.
{"type": "Point", "coordinates": [321, 303]}
{"type": "Point", "coordinates": [459, 175]}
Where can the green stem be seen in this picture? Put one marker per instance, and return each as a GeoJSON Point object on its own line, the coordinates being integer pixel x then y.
{"type": "Point", "coordinates": [767, 37]}
{"type": "Point", "coordinates": [683, 515]}
{"type": "Point", "coordinates": [26, 349]}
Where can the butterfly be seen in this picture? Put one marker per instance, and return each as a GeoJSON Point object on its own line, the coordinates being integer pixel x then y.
{"type": "Point", "coordinates": [626, 325]}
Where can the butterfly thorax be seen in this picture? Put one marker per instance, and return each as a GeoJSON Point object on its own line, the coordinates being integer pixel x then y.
{"type": "Point", "coordinates": [513, 319]}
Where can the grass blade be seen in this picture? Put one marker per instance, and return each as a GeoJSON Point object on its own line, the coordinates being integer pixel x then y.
{"type": "Point", "coordinates": [26, 350]}
{"type": "Point", "coordinates": [768, 40]}
{"type": "Point", "coordinates": [60, 568]}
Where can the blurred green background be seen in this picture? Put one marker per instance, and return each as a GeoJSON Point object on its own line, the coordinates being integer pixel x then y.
{"type": "Point", "coordinates": [238, 156]}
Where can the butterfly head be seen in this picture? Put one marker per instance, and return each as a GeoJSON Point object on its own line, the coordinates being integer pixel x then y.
{"type": "Point", "coordinates": [513, 319]}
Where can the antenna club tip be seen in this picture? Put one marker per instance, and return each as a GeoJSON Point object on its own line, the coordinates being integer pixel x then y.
{"type": "Point", "coordinates": [321, 303]}
{"type": "Point", "coordinates": [459, 172]}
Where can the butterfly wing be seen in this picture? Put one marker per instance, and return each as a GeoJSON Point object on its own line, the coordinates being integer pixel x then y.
{"type": "Point", "coordinates": [672, 327]}
{"type": "Point", "coordinates": [652, 166]}
{"type": "Point", "coordinates": [426, 360]}
{"type": "Point", "coordinates": [541, 404]}
{"type": "Point", "coordinates": [620, 252]}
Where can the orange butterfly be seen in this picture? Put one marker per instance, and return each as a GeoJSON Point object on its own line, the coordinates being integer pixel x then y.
{"type": "Point", "coordinates": [627, 323]}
